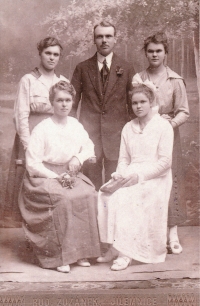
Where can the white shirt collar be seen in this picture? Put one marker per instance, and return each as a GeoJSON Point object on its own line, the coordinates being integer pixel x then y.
{"type": "Point", "coordinates": [101, 58]}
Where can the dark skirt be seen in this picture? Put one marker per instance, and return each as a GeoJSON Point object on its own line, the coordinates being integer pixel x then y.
{"type": "Point", "coordinates": [16, 173]}
{"type": "Point", "coordinates": [60, 223]}
{"type": "Point", "coordinates": [14, 182]}
{"type": "Point", "coordinates": [177, 203]}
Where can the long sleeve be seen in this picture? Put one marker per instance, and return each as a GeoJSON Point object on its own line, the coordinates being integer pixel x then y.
{"type": "Point", "coordinates": [181, 108]}
{"type": "Point", "coordinates": [22, 111]}
{"type": "Point", "coordinates": [128, 89]}
{"type": "Point", "coordinates": [124, 156]}
{"type": "Point", "coordinates": [77, 83]}
{"type": "Point", "coordinates": [35, 155]}
{"type": "Point", "coordinates": [87, 146]}
{"type": "Point", "coordinates": [50, 143]}
{"type": "Point", "coordinates": [165, 148]}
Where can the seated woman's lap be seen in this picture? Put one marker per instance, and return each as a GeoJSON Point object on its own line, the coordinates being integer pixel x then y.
{"type": "Point", "coordinates": [66, 216]}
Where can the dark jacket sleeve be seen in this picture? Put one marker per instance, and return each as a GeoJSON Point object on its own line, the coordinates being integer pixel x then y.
{"type": "Point", "coordinates": [129, 88]}
{"type": "Point", "coordinates": [77, 83]}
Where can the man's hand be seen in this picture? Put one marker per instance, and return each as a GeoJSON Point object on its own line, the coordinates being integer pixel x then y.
{"type": "Point", "coordinates": [130, 180]}
{"type": "Point", "coordinates": [74, 164]}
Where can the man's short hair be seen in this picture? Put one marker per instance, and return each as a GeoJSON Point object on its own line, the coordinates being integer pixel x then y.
{"type": "Point", "coordinates": [105, 23]}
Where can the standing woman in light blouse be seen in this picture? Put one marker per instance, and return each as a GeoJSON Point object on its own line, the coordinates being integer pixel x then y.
{"type": "Point", "coordinates": [31, 106]}
{"type": "Point", "coordinates": [173, 106]}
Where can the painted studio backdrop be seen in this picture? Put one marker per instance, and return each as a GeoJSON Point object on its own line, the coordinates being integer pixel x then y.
{"type": "Point", "coordinates": [24, 22]}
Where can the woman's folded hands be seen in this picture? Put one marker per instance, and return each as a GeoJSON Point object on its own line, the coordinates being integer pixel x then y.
{"type": "Point", "coordinates": [128, 180]}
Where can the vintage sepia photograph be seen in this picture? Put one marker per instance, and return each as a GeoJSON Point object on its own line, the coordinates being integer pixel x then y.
{"type": "Point", "coordinates": [99, 153]}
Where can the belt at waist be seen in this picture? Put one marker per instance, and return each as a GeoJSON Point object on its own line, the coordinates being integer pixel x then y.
{"type": "Point", "coordinates": [57, 168]}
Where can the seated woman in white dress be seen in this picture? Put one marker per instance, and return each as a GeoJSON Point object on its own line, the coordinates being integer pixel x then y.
{"type": "Point", "coordinates": [133, 219]}
{"type": "Point", "coordinates": [57, 202]}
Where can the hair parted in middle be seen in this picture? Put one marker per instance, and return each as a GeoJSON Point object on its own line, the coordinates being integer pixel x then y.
{"type": "Point", "coordinates": [61, 86]}
{"type": "Point", "coordinates": [142, 88]}
{"type": "Point", "coordinates": [158, 38]}
{"type": "Point", "coordinates": [105, 23]}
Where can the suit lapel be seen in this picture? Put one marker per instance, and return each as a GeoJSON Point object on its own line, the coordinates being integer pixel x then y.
{"type": "Point", "coordinates": [113, 78]}
{"type": "Point", "coordinates": [94, 75]}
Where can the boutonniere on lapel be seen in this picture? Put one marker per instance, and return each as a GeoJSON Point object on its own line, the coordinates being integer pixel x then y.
{"type": "Point", "coordinates": [119, 70]}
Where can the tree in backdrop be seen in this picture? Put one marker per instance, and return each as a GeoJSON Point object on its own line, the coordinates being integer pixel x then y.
{"type": "Point", "coordinates": [135, 20]}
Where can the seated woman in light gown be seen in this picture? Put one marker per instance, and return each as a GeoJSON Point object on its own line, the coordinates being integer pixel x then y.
{"type": "Point", "coordinates": [57, 202]}
{"type": "Point", "coordinates": [133, 219]}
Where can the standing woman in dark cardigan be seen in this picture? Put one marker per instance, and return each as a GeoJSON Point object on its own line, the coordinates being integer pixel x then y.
{"type": "Point", "coordinates": [31, 106]}
{"type": "Point", "coordinates": [173, 106]}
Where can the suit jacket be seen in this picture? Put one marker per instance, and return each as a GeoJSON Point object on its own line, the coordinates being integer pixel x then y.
{"type": "Point", "coordinates": [103, 114]}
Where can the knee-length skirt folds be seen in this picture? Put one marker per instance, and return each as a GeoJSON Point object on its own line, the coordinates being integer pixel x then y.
{"type": "Point", "coordinates": [60, 223]}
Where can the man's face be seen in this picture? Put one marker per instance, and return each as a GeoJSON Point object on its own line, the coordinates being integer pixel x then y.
{"type": "Point", "coordinates": [104, 39]}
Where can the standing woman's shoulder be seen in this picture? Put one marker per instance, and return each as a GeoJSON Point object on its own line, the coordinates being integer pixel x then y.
{"type": "Point", "coordinates": [172, 74]}
{"type": "Point", "coordinates": [177, 81]}
{"type": "Point", "coordinates": [28, 77]}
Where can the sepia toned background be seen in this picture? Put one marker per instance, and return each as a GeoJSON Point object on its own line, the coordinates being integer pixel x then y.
{"type": "Point", "coordinates": [24, 22]}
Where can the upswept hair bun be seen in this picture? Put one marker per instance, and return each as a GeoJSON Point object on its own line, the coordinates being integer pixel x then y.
{"type": "Point", "coordinates": [61, 86]}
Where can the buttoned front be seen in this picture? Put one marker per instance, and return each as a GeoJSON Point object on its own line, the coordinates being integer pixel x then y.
{"type": "Point", "coordinates": [32, 98]}
{"type": "Point", "coordinates": [103, 113]}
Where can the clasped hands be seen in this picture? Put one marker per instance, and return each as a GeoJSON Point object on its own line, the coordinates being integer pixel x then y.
{"type": "Point", "coordinates": [128, 181]}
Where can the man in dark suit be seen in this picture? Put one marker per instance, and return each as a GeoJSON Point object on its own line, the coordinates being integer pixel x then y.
{"type": "Point", "coordinates": [102, 84]}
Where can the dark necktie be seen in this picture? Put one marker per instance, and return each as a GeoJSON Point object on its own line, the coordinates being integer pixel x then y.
{"type": "Point", "coordinates": [104, 72]}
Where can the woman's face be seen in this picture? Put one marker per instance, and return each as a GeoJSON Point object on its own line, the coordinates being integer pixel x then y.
{"type": "Point", "coordinates": [50, 57]}
{"type": "Point", "coordinates": [62, 103]}
{"type": "Point", "coordinates": [141, 105]}
{"type": "Point", "coordinates": [155, 54]}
